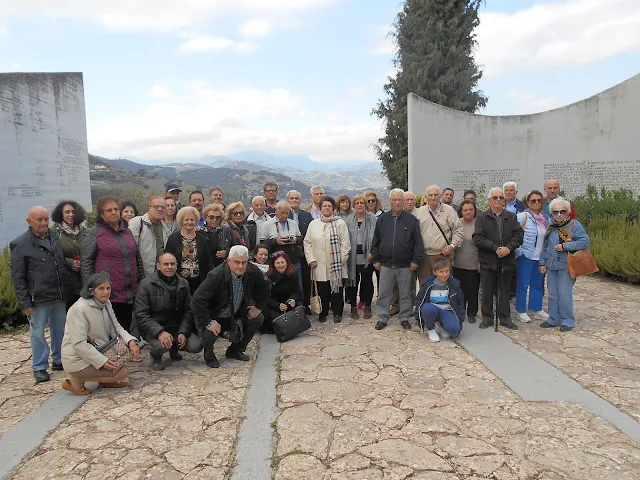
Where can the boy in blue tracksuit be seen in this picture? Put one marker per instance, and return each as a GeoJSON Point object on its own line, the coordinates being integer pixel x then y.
{"type": "Point", "coordinates": [440, 300]}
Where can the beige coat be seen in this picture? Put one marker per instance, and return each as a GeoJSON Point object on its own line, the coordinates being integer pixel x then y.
{"type": "Point", "coordinates": [448, 219]}
{"type": "Point", "coordinates": [88, 319]}
{"type": "Point", "coordinates": [316, 247]}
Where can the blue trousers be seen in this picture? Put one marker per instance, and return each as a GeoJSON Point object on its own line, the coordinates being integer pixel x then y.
{"type": "Point", "coordinates": [528, 277]}
{"type": "Point", "coordinates": [431, 314]}
{"type": "Point", "coordinates": [56, 316]}
{"type": "Point", "coordinates": [560, 285]}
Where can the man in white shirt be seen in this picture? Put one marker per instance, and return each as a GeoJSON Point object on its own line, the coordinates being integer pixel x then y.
{"type": "Point", "coordinates": [258, 216]}
{"type": "Point", "coordinates": [317, 192]}
{"type": "Point", "coordinates": [283, 233]}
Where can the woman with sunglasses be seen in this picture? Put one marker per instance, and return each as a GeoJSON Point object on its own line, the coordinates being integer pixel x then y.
{"type": "Point", "coordinates": [220, 236]}
{"type": "Point", "coordinates": [374, 204]}
{"type": "Point", "coordinates": [285, 289]}
{"type": "Point", "coordinates": [528, 276]}
{"type": "Point", "coordinates": [562, 237]}
{"type": "Point", "coordinates": [191, 248]}
{"type": "Point", "coordinates": [234, 219]}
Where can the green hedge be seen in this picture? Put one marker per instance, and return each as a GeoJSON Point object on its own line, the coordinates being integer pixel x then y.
{"type": "Point", "coordinates": [615, 245]}
{"type": "Point", "coordinates": [8, 301]}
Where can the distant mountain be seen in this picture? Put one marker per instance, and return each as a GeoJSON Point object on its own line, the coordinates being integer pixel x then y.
{"type": "Point", "coordinates": [277, 161]}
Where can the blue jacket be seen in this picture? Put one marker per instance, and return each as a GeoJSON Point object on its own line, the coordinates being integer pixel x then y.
{"type": "Point", "coordinates": [558, 260]}
{"type": "Point", "coordinates": [304, 219]}
{"type": "Point", "coordinates": [530, 234]}
{"type": "Point", "coordinates": [519, 206]}
{"type": "Point", "coordinates": [456, 297]}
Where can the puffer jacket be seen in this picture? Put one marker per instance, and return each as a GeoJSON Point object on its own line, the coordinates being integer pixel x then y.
{"type": "Point", "coordinates": [39, 274]}
{"type": "Point", "coordinates": [142, 230]}
{"type": "Point", "coordinates": [155, 312]}
{"type": "Point", "coordinates": [114, 251]}
{"type": "Point", "coordinates": [456, 298]}
{"type": "Point", "coordinates": [530, 234]}
{"type": "Point", "coordinates": [554, 260]}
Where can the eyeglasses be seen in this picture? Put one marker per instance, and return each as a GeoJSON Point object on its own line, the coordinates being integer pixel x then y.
{"type": "Point", "coordinates": [238, 213]}
{"type": "Point", "coordinates": [213, 217]}
{"type": "Point", "coordinates": [270, 191]}
{"type": "Point", "coordinates": [559, 212]}
{"type": "Point", "coordinates": [496, 197]}
{"type": "Point", "coordinates": [535, 200]}
{"type": "Point", "coordinates": [158, 207]}
{"type": "Point", "coordinates": [372, 200]}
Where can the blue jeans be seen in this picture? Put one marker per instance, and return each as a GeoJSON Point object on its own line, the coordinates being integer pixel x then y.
{"type": "Point", "coordinates": [560, 285]}
{"type": "Point", "coordinates": [528, 277]}
{"type": "Point", "coordinates": [56, 316]}
{"type": "Point", "coordinates": [431, 314]}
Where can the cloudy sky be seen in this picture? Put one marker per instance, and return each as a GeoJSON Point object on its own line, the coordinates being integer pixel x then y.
{"type": "Point", "coordinates": [184, 78]}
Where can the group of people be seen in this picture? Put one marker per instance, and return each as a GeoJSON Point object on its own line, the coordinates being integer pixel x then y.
{"type": "Point", "coordinates": [179, 277]}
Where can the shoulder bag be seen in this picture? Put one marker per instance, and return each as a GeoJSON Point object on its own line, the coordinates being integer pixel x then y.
{"type": "Point", "coordinates": [115, 349]}
{"type": "Point", "coordinates": [315, 302]}
{"type": "Point", "coordinates": [581, 262]}
{"type": "Point", "coordinates": [439, 228]}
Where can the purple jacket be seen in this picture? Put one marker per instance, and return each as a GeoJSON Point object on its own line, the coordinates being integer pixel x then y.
{"type": "Point", "coordinates": [113, 251]}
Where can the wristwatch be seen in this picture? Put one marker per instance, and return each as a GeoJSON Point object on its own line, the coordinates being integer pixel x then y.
{"type": "Point", "coordinates": [452, 246]}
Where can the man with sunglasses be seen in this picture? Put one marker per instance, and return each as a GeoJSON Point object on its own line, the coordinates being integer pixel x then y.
{"type": "Point", "coordinates": [498, 233]}
{"type": "Point", "coordinates": [149, 235]}
{"type": "Point", "coordinates": [552, 191]}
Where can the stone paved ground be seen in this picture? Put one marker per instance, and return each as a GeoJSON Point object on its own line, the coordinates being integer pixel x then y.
{"type": "Point", "coordinates": [179, 423]}
{"type": "Point", "coordinates": [603, 352]}
{"type": "Point", "coordinates": [361, 404]}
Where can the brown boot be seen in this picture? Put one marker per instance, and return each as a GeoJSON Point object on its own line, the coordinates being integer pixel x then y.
{"type": "Point", "coordinates": [367, 312]}
{"type": "Point", "coordinates": [354, 313]}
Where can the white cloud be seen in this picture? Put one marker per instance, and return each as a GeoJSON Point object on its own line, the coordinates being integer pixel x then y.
{"type": "Point", "coordinates": [560, 34]}
{"type": "Point", "coordinates": [199, 119]}
{"type": "Point", "coordinates": [257, 28]}
{"type": "Point", "coordinates": [525, 103]}
{"type": "Point", "coordinates": [208, 43]}
{"type": "Point", "coordinates": [155, 15]}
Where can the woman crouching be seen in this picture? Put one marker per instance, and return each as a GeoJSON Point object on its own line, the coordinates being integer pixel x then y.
{"type": "Point", "coordinates": [90, 323]}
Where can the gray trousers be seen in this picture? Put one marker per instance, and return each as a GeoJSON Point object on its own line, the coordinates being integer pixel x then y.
{"type": "Point", "coordinates": [193, 345]}
{"type": "Point", "coordinates": [389, 277]}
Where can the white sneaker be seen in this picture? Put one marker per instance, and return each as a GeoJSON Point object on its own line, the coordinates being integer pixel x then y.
{"type": "Point", "coordinates": [433, 336]}
{"type": "Point", "coordinates": [524, 318]}
{"type": "Point", "coordinates": [541, 315]}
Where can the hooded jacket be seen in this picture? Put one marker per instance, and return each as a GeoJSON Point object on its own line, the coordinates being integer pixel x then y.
{"type": "Point", "coordinates": [456, 298]}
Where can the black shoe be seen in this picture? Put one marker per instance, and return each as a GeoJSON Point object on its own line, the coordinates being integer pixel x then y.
{"type": "Point", "coordinates": [57, 367]}
{"type": "Point", "coordinates": [322, 318]}
{"type": "Point", "coordinates": [157, 364]}
{"type": "Point", "coordinates": [175, 355]}
{"type": "Point", "coordinates": [213, 363]}
{"type": "Point", "coordinates": [405, 324]}
{"type": "Point", "coordinates": [565, 328]}
{"type": "Point", "coordinates": [471, 319]}
{"type": "Point", "coordinates": [510, 325]}
{"type": "Point", "coordinates": [486, 323]}
{"type": "Point", "coordinates": [337, 318]}
{"type": "Point", "coordinates": [41, 376]}
{"type": "Point", "coordinates": [380, 325]}
{"type": "Point", "coordinates": [237, 355]}
{"type": "Point", "coordinates": [547, 325]}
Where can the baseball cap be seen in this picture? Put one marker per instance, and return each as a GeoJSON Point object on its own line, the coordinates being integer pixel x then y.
{"type": "Point", "coordinates": [173, 186]}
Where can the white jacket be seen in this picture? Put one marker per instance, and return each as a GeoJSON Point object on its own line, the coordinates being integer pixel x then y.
{"type": "Point", "coordinates": [317, 249]}
{"type": "Point", "coordinates": [142, 230]}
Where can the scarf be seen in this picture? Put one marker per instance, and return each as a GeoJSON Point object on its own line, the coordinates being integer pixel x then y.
{"type": "Point", "coordinates": [562, 232]}
{"type": "Point", "coordinates": [540, 218]}
{"type": "Point", "coordinates": [73, 232]}
{"type": "Point", "coordinates": [239, 234]}
{"type": "Point", "coordinates": [335, 266]}
{"type": "Point", "coordinates": [369, 225]}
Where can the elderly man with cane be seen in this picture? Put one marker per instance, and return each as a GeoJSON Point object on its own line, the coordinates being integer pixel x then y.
{"type": "Point", "coordinates": [497, 235]}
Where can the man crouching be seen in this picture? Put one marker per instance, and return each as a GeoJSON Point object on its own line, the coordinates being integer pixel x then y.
{"type": "Point", "coordinates": [229, 304]}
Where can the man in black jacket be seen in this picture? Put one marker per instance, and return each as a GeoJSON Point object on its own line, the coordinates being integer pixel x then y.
{"type": "Point", "coordinates": [40, 278]}
{"type": "Point", "coordinates": [497, 235]}
{"type": "Point", "coordinates": [397, 250]}
{"type": "Point", "coordinates": [163, 313]}
{"type": "Point", "coordinates": [234, 293]}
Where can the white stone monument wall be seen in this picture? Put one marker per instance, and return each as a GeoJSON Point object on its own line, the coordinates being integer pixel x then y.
{"type": "Point", "coordinates": [594, 141]}
{"type": "Point", "coordinates": [43, 146]}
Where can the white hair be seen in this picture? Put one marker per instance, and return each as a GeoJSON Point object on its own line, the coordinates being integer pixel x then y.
{"type": "Point", "coordinates": [238, 251]}
{"type": "Point", "coordinates": [431, 187]}
{"type": "Point", "coordinates": [292, 192]}
{"type": "Point", "coordinates": [565, 203]}
{"type": "Point", "coordinates": [396, 190]}
{"type": "Point", "coordinates": [316, 187]}
{"type": "Point", "coordinates": [257, 197]}
{"type": "Point", "coordinates": [283, 204]}
{"type": "Point", "coordinates": [510, 184]}
{"type": "Point", "coordinates": [408, 192]}
{"type": "Point", "coordinates": [489, 195]}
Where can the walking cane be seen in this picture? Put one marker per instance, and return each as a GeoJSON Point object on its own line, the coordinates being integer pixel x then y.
{"type": "Point", "coordinates": [498, 280]}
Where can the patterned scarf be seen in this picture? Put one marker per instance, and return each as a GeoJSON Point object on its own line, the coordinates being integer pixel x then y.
{"type": "Point", "coordinates": [335, 267]}
{"type": "Point", "coordinates": [564, 236]}
{"type": "Point", "coordinates": [540, 218]}
{"type": "Point", "coordinates": [73, 232]}
{"type": "Point", "coordinates": [239, 234]}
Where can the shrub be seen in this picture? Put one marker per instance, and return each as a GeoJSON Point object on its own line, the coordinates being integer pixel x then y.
{"type": "Point", "coordinates": [615, 245]}
{"type": "Point", "coordinates": [8, 301]}
{"type": "Point", "coordinates": [620, 202]}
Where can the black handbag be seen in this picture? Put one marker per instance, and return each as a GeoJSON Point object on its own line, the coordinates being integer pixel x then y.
{"type": "Point", "coordinates": [291, 324]}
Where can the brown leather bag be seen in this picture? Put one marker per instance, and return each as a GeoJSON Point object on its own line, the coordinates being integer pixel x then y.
{"type": "Point", "coordinates": [581, 262]}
